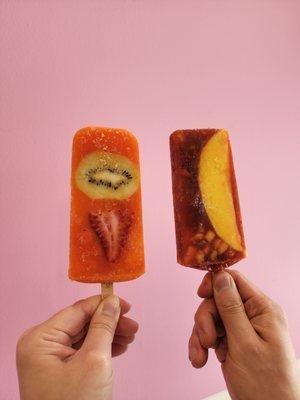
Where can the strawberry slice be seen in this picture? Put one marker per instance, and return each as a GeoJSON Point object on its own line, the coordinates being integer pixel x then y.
{"type": "Point", "coordinates": [111, 227]}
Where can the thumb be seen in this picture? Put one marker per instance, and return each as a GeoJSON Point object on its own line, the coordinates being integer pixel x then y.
{"type": "Point", "coordinates": [231, 307]}
{"type": "Point", "coordinates": [102, 327]}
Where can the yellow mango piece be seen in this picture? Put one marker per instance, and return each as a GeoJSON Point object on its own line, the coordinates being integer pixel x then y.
{"type": "Point", "coordinates": [215, 186]}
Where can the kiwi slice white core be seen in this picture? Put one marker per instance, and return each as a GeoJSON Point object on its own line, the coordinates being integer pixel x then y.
{"type": "Point", "coordinates": [103, 175]}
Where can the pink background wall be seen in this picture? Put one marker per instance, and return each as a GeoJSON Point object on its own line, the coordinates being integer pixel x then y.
{"type": "Point", "coordinates": [151, 67]}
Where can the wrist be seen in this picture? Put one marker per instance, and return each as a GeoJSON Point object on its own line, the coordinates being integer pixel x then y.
{"type": "Point", "coordinates": [289, 387]}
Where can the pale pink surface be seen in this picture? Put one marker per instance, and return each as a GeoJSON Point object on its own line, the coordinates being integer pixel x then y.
{"type": "Point", "coordinates": [151, 67]}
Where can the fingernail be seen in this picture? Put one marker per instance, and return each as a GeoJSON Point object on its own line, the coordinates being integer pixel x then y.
{"type": "Point", "coordinates": [221, 280]}
{"type": "Point", "coordinates": [110, 306]}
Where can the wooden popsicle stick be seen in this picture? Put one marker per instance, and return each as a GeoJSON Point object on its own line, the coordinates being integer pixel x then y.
{"type": "Point", "coordinates": [107, 289]}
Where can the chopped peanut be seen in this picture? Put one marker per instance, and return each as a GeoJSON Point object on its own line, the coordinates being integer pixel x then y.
{"type": "Point", "coordinates": [190, 254]}
{"type": "Point", "coordinates": [197, 238]}
{"type": "Point", "coordinates": [206, 249]}
{"type": "Point", "coordinates": [222, 247]}
{"type": "Point", "coordinates": [216, 242]}
{"type": "Point", "coordinates": [210, 235]}
{"type": "Point", "coordinates": [199, 257]}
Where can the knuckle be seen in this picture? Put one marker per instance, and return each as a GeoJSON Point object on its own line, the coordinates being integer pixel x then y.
{"type": "Point", "coordinates": [197, 315]}
{"type": "Point", "coordinates": [206, 307]}
{"type": "Point", "coordinates": [268, 303]}
{"type": "Point", "coordinates": [104, 324]}
{"type": "Point", "coordinates": [272, 311]}
{"type": "Point", "coordinates": [277, 309]}
{"type": "Point", "coordinates": [232, 306]}
{"type": "Point", "coordinates": [272, 307]}
{"type": "Point", "coordinates": [23, 347]}
{"type": "Point", "coordinates": [100, 361]}
{"type": "Point", "coordinates": [278, 312]}
{"type": "Point", "coordinates": [210, 342]}
{"type": "Point", "coordinates": [255, 306]}
{"type": "Point", "coordinates": [261, 302]}
{"type": "Point", "coordinates": [129, 339]}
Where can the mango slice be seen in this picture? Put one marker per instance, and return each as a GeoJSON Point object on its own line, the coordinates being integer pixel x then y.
{"type": "Point", "coordinates": [214, 180]}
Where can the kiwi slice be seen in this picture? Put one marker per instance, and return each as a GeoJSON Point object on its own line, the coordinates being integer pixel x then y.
{"type": "Point", "coordinates": [104, 175]}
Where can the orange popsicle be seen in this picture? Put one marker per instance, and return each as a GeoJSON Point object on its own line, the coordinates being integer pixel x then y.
{"type": "Point", "coordinates": [209, 231]}
{"type": "Point", "coordinates": [106, 232]}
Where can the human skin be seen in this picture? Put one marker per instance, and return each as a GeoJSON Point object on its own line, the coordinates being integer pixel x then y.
{"type": "Point", "coordinates": [69, 355]}
{"type": "Point", "coordinates": [250, 336]}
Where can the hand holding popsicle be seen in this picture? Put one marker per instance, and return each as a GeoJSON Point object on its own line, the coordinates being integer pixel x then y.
{"type": "Point", "coordinates": [68, 357]}
{"type": "Point", "coordinates": [250, 336]}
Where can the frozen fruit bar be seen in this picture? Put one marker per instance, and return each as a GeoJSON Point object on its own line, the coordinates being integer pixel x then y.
{"type": "Point", "coordinates": [208, 223]}
{"type": "Point", "coordinates": [106, 233]}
